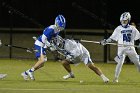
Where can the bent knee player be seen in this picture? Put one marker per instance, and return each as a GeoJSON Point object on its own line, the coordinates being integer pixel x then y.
{"type": "Point", "coordinates": [42, 43]}
{"type": "Point", "coordinates": [124, 34]}
{"type": "Point", "coordinates": [78, 53]}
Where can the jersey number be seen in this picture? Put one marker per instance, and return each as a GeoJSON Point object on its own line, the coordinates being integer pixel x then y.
{"type": "Point", "coordinates": [127, 37]}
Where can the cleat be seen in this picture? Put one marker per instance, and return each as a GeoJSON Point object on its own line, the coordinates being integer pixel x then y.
{"type": "Point", "coordinates": [31, 75]}
{"type": "Point", "coordinates": [106, 80]}
{"type": "Point", "coordinates": [115, 80]}
{"type": "Point", "coordinates": [25, 77]}
{"type": "Point", "coordinates": [68, 76]}
{"type": "Point", "coordinates": [2, 76]}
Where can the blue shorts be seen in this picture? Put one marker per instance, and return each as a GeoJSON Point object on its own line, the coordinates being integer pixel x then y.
{"type": "Point", "coordinates": [40, 50]}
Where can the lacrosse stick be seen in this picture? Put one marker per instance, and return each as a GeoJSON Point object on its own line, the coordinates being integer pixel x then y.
{"type": "Point", "coordinates": [30, 50]}
{"type": "Point", "coordinates": [120, 45]}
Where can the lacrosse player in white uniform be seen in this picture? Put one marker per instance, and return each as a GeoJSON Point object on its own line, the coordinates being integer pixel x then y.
{"type": "Point", "coordinates": [125, 35]}
{"type": "Point", "coordinates": [78, 53]}
{"type": "Point", "coordinates": [2, 75]}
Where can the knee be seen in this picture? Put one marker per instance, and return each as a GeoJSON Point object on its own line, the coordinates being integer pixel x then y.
{"type": "Point", "coordinates": [64, 62]}
{"type": "Point", "coordinates": [91, 65]}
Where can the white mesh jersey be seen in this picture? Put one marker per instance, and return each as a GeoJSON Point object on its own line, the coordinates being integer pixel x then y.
{"type": "Point", "coordinates": [79, 52]}
{"type": "Point", "coordinates": [125, 36]}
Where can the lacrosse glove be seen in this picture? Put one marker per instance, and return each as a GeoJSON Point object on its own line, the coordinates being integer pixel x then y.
{"type": "Point", "coordinates": [52, 48]}
{"type": "Point", "coordinates": [69, 57]}
{"type": "Point", "coordinates": [103, 42]}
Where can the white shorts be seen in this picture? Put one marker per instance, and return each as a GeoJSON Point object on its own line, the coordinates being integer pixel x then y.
{"type": "Point", "coordinates": [129, 51]}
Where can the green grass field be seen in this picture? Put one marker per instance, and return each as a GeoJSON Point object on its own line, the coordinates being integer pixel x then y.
{"type": "Point", "coordinates": [49, 78]}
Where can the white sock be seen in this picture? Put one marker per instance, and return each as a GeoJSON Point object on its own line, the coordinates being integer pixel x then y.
{"type": "Point", "coordinates": [71, 73]}
{"type": "Point", "coordinates": [31, 70]}
{"type": "Point", "coordinates": [103, 76]}
{"type": "Point", "coordinates": [118, 70]}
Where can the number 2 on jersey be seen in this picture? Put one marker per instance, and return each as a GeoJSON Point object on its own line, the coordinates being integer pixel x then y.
{"type": "Point", "coordinates": [127, 37]}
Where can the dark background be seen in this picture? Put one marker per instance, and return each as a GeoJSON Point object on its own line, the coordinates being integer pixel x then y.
{"type": "Point", "coordinates": [106, 12]}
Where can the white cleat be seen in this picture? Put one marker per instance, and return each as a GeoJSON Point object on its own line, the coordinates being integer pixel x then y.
{"type": "Point", "coordinates": [31, 75]}
{"type": "Point", "coordinates": [25, 77]}
{"type": "Point", "coordinates": [68, 76]}
{"type": "Point", "coordinates": [2, 76]}
{"type": "Point", "coordinates": [106, 80]}
{"type": "Point", "coordinates": [115, 80]}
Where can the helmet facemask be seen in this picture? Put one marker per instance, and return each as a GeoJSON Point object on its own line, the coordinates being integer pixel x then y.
{"type": "Point", "coordinates": [125, 19]}
{"type": "Point", "coordinates": [124, 23]}
{"type": "Point", "coordinates": [58, 27]}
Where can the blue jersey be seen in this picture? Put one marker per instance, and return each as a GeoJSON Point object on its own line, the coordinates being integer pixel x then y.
{"type": "Point", "coordinates": [40, 43]}
{"type": "Point", "coordinates": [48, 34]}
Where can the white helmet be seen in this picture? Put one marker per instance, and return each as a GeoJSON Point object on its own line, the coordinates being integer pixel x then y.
{"type": "Point", "coordinates": [125, 16]}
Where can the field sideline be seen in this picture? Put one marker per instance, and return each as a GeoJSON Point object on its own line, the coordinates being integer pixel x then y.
{"type": "Point", "coordinates": [49, 78]}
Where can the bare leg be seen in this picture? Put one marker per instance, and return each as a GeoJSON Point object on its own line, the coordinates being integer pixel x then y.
{"type": "Point", "coordinates": [95, 69]}
{"type": "Point", "coordinates": [39, 63]}
{"type": "Point", "coordinates": [66, 65]}
{"type": "Point", "coordinates": [30, 72]}
{"type": "Point", "coordinates": [98, 72]}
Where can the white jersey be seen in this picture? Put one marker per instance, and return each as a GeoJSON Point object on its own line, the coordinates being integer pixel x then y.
{"type": "Point", "coordinates": [125, 36]}
{"type": "Point", "coordinates": [79, 52]}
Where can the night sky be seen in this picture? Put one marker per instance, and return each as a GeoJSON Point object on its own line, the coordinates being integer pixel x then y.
{"type": "Point", "coordinates": [80, 14]}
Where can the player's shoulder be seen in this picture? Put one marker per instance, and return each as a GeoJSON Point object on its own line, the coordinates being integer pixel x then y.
{"type": "Point", "coordinates": [52, 27]}
{"type": "Point", "coordinates": [131, 26]}
{"type": "Point", "coordinates": [49, 28]}
{"type": "Point", "coordinates": [118, 28]}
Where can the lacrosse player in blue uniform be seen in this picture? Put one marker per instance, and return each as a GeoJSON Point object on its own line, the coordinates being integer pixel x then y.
{"type": "Point", "coordinates": [42, 43]}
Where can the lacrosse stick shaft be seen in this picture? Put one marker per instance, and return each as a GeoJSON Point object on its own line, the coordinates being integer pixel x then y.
{"type": "Point", "coordinates": [97, 42]}
{"type": "Point", "coordinates": [24, 48]}
{"type": "Point", "coordinates": [120, 45]}
{"type": "Point", "coordinates": [15, 46]}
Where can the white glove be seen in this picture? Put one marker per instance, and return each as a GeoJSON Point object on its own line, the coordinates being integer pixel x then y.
{"type": "Point", "coordinates": [103, 42]}
{"type": "Point", "coordinates": [69, 57]}
{"type": "Point", "coordinates": [52, 47]}
{"type": "Point", "coordinates": [0, 43]}
{"type": "Point", "coordinates": [47, 43]}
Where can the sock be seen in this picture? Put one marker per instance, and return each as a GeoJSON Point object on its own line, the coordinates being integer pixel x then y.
{"type": "Point", "coordinates": [26, 73]}
{"type": "Point", "coordinates": [31, 70]}
{"type": "Point", "coordinates": [71, 73]}
{"type": "Point", "coordinates": [103, 76]}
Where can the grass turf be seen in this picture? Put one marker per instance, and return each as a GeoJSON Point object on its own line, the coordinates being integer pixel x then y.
{"type": "Point", "coordinates": [49, 78]}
